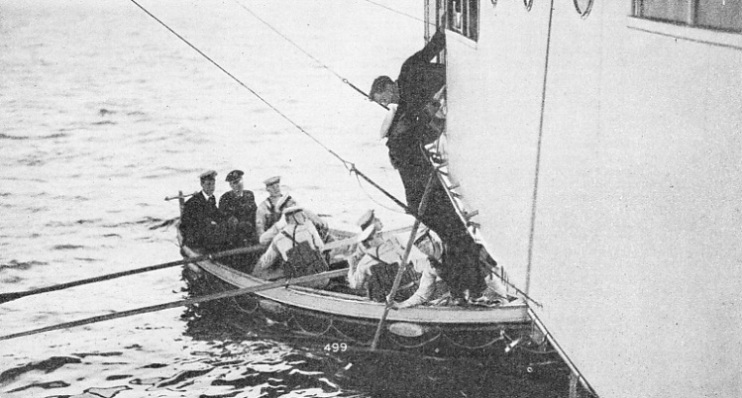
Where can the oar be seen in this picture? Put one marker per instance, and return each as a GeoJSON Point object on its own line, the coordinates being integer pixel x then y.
{"type": "Point", "coordinates": [355, 238]}
{"type": "Point", "coordinates": [5, 297]}
{"type": "Point", "coordinates": [179, 196]}
{"type": "Point", "coordinates": [180, 303]}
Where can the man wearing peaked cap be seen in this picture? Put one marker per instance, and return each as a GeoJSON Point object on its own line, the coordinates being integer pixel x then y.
{"type": "Point", "coordinates": [268, 213]}
{"type": "Point", "coordinates": [238, 207]}
{"type": "Point", "coordinates": [201, 222]}
{"type": "Point", "coordinates": [234, 175]}
{"type": "Point", "coordinates": [373, 266]}
{"type": "Point", "coordinates": [287, 211]}
{"type": "Point", "coordinates": [208, 175]}
{"type": "Point", "coordinates": [272, 181]}
{"type": "Point", "coordinates": [369, 218]}
{"type": "Point", "coordinates": [286, 201]}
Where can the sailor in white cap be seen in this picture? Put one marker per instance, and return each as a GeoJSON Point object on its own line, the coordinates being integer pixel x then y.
{"type": "Point", "coordinates": [284, 202]}
{"type": "Point", "coordinates": [299, 245]}
{"type": "Point", "coordinates": [377, 268]}
{"type": "Point", "coordinates": [201, 221]}
{"type": "Point", "coordinates": [268, 213]}
{"type": "Point", "coordinates": [426, 240]}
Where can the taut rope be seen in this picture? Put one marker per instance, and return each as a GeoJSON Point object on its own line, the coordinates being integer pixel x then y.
{"type": "Point", "coordinates": [538, 153]}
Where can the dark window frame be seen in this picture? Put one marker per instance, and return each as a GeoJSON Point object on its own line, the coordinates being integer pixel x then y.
{"type": "Point", "coordinates": [463, 17]}
{"type": "Point", "coordinates": [700, 14]}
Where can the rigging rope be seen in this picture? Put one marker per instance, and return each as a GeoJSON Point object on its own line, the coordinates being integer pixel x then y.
{"type": "Point", "coordinates": [313, 58]}
{"type": "Point", "coordinates": [348, 165]}
{"type": "Point", "coordinates": [278, 111]}
{"type": "Point", "coordinates": [538, 152]}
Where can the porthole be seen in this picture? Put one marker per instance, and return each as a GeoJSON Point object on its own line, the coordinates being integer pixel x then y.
{"type": "Point", "coordinates": [528, 4]}
{"type": "Point", "coordinates": [583, 7]}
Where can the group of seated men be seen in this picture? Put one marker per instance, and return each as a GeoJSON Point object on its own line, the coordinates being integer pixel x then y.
{"type": "Point", "coordinates": [374, 264]}
{"type": "Point", "coordinates": [237, 221]}
{"type": "Point", "coordinates": [295, 238]}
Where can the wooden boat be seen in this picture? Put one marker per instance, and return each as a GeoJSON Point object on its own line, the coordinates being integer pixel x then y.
{"type": "Point", "coordinates": [340, 321]}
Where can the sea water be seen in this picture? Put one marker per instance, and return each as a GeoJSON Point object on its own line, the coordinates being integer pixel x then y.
{"type": "Point", "coordinates": [104, 113]}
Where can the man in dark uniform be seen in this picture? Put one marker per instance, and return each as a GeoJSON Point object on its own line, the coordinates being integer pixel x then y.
{"type": "Point", "coordinates": [418, 82]}
{"type": "Point", "coordinates": [238, 208]}
{"type": "Point", "coordinates": [201, 222]}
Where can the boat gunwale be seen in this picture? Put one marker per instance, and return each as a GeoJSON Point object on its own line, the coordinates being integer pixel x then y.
{"type": "Point", "coordinates": [362, 309]}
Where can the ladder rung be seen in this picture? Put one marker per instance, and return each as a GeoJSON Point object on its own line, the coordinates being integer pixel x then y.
{"type": "Point", "coordinates": [471, 215]}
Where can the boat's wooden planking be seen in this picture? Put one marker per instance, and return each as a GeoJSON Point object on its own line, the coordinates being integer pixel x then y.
{"type": "Point", "coordinates": [356, 307]}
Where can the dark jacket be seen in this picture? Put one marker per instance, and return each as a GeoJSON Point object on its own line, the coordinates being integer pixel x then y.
{"type": "Point", "coordinates": [418, 81]}
{"type": "Point", "coordinates": [201, 223]}
{"type": "Point", "coordinates": [243, 209]}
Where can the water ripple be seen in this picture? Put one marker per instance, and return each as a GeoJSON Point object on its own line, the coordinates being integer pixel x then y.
{"type": "Point", "coordinates": [47, 365]}
{"type": "Point", "coordinates": [22, 265]}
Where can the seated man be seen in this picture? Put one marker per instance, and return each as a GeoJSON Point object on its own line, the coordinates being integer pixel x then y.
{"type": "Point", "coordinates": [267, 214]}
{"type": "Point", "coordinates": [238, 208]}
{"type": "Point", "coordinates": [426, 240]}
{"type": "Point", "coordinates": [285, 202]}
{"type": "Point", "coordinates": [201, 222]}
{"type": "Point", "coordinates": [300, 247]}
{"type": "Point", "coordinates": [378, 267]}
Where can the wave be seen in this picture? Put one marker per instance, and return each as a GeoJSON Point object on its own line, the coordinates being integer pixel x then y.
{"type": "Point", "coordinates": [67, 247]}
{"type": "Point", "coordinates": [47, 365]}
{"type": "Point", "coordinates": [12, 137]}
{"type": "Point", "coordinates": [22, 265]}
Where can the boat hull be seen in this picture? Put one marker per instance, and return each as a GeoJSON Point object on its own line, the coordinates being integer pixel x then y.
{"type": "Point", "coordinates": [339, 322]}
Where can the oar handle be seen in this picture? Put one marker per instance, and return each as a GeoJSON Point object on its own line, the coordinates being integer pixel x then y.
{"type": "Point", "coordinates": [5, 297]}
{"type": "Point", "coordinates": [181, 196]}
{"type": "Point", "coordinates": [180, 303]}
